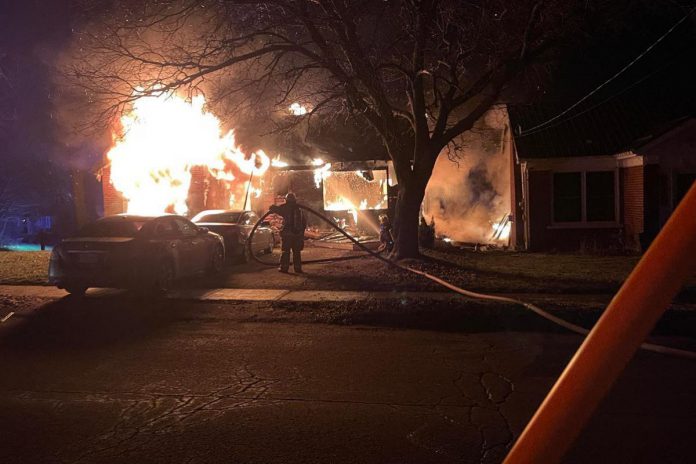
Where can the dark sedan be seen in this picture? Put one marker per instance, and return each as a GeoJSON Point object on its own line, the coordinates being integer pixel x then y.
{"type": "Point", "coordinates": [235, 227]}
{"type": "Point", "coordinates": [128, 251]}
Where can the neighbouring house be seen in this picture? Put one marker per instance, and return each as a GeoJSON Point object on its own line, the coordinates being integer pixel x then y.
{"type": "Point", "coordinates": [606, 180]}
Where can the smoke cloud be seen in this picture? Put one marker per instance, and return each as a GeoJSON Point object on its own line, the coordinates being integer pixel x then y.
{"type": "Point", "coordinates": [466, 196]}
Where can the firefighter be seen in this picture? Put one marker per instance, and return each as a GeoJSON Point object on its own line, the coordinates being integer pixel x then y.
{"type": "Point", "coordinates": [292, 233]}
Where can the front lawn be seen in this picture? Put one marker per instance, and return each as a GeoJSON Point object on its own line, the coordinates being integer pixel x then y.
{"type": "Point", "coordinates": [24, 267]}
{"type": "Point", "coordinates": [542, 271]}
{"type": "Point", "coordinates": [485, 271]}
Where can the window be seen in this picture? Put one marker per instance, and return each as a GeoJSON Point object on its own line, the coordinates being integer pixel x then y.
{"type": "Point", "coordinates": [250, 219]}
{"type": "Point", "coordinates": [599, 199]}
{"type": "Point", "coordinates": [112, 227]}
{"type": "Point", "coordinates": [567, 197]}
{"type": "Point", "coordinates": [166, 228]}
{"type": "Point", "coordinates": [187, 228]}
{"type": "Point", "coordinates": [230, 218]}
{"type": "Point", "coordinates": [584, 196]}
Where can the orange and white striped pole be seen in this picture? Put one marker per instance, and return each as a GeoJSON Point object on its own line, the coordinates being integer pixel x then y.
{"type": "Point", "coordinates": [613, 341]}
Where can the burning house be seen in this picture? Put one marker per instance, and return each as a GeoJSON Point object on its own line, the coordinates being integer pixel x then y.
{"type": "Point", "coordinates": [173, 157]}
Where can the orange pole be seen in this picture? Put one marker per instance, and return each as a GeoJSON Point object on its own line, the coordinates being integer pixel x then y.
{"type": "Point", "coordinates": [613, 341]}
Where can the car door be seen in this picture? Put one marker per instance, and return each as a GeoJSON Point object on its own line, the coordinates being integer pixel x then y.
{"type": "Point", "coordinates": [245, 226]}
{"type": "Point", "coordinates": [167, 235]}
{"type": "Point", "coordinates": [193, 249]}
{"type": "Point", "coordinates": [257, 241]}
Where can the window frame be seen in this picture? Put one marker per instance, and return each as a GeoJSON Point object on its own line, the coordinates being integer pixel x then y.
{"type": "Point", "coordinates": [583, 222]}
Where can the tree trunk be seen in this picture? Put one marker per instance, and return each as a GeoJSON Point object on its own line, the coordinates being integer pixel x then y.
{"type": "Point", "coordinates": [406, 219]}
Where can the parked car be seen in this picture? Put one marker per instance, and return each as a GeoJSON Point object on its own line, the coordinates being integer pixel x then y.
{"type": "Point", "coordinates": [128, 251]}
{"type": "Point", "coordinates": [235, 227]}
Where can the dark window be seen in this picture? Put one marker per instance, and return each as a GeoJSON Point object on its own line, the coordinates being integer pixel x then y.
{"type": "Point", "coordinates": [683, 184]}
{"type": "Point", "coordinates": [599, 192]}
{"type": "Point", "coordinates": [166, 228]}
{"type": "Point", "coordinates": [250, 219]}
{"type": "Point", "coordinates": [230, 218]}
{"type": "Point", "coordinates": [567, 197]}
{"type": "Point", "coordinates": [112, 228]}
{"type": "Point", "coordinates": [188, 229]}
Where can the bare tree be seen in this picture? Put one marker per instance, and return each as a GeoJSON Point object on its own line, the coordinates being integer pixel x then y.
{"type": "Point", "coordinates": [8, 112]}
{"type": "Point", "coordinates": [15, 204]}
{"type": "Point", "coordinates": [421, 72]}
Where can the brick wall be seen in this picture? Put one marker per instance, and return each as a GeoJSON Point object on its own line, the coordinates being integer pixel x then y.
{"type": "Point", "coordinates": [114, 203]}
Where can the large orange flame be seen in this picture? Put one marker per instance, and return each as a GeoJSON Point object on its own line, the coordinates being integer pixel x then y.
{"type": "Point", "coordinates": [162, 139]}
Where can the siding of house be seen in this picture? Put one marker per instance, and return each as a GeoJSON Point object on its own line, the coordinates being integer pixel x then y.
{"type": "Point", "coordinates": [632, 205]}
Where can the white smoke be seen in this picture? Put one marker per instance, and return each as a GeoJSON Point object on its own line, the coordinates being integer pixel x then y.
{"type": "Point", "coordinates": [465, 197]}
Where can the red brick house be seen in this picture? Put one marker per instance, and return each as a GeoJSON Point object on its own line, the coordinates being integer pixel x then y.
{"type": "Point", "coordinates": [599, 182]}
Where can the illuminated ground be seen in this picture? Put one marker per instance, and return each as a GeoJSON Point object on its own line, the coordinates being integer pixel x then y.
{"type": "Point", "coordinates": [492, 271]}
{"type": "Point", "coordinates": [117, 380]}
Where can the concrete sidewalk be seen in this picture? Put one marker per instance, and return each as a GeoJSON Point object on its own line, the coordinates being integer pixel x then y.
{"type": "Point", "coordinates": [231, 294]}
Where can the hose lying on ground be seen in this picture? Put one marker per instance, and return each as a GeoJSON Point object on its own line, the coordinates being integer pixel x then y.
{"type": "Point", "coordinates": [481, 296]}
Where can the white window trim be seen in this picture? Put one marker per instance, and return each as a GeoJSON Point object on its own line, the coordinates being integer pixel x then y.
{"type": "Point", "coordinates": [583, 223]}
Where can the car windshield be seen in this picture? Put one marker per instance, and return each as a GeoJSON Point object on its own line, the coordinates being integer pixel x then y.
{"type": "Point", "coordinates": [218, 217]}
{"type": "Point", "coordinates": [112, 228]}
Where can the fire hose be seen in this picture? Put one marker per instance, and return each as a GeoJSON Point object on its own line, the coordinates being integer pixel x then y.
{"type": "Point", "coordinates": [467, 293]}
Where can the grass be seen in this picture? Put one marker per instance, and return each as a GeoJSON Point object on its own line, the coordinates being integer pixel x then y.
{"type": "Point", "coordinates": [542, 268]}
{"type": "Point", "coordinates": [488, 271]}
{"type": "Point", "coordinates": [24, 267]}
{"type": "Point", "coordinates": [492, 271]}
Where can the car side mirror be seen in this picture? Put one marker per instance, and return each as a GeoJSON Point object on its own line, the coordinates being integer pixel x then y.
{"type": "Point", "coordinates": [265, 224]}
{"type": "Point", "coordinates": [203, 230]}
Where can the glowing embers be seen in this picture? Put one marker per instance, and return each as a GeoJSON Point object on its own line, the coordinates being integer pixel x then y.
{"type": "Point", "coordinates": [160, 140]}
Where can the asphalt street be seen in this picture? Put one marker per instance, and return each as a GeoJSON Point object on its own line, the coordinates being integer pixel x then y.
{"type": "Point", "coordinates": [119, 380]}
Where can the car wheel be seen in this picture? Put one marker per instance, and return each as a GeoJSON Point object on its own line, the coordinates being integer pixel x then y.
{"type": "Point", "coordinates": [217, 261]}
{"type": "Point", "coordinates": [76, 290]}
{"type": "Point", "coordinates": [164, 278]}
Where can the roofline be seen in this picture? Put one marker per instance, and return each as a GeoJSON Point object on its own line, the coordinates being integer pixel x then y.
{"type": "Point", "coordinates": [676, 126]}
